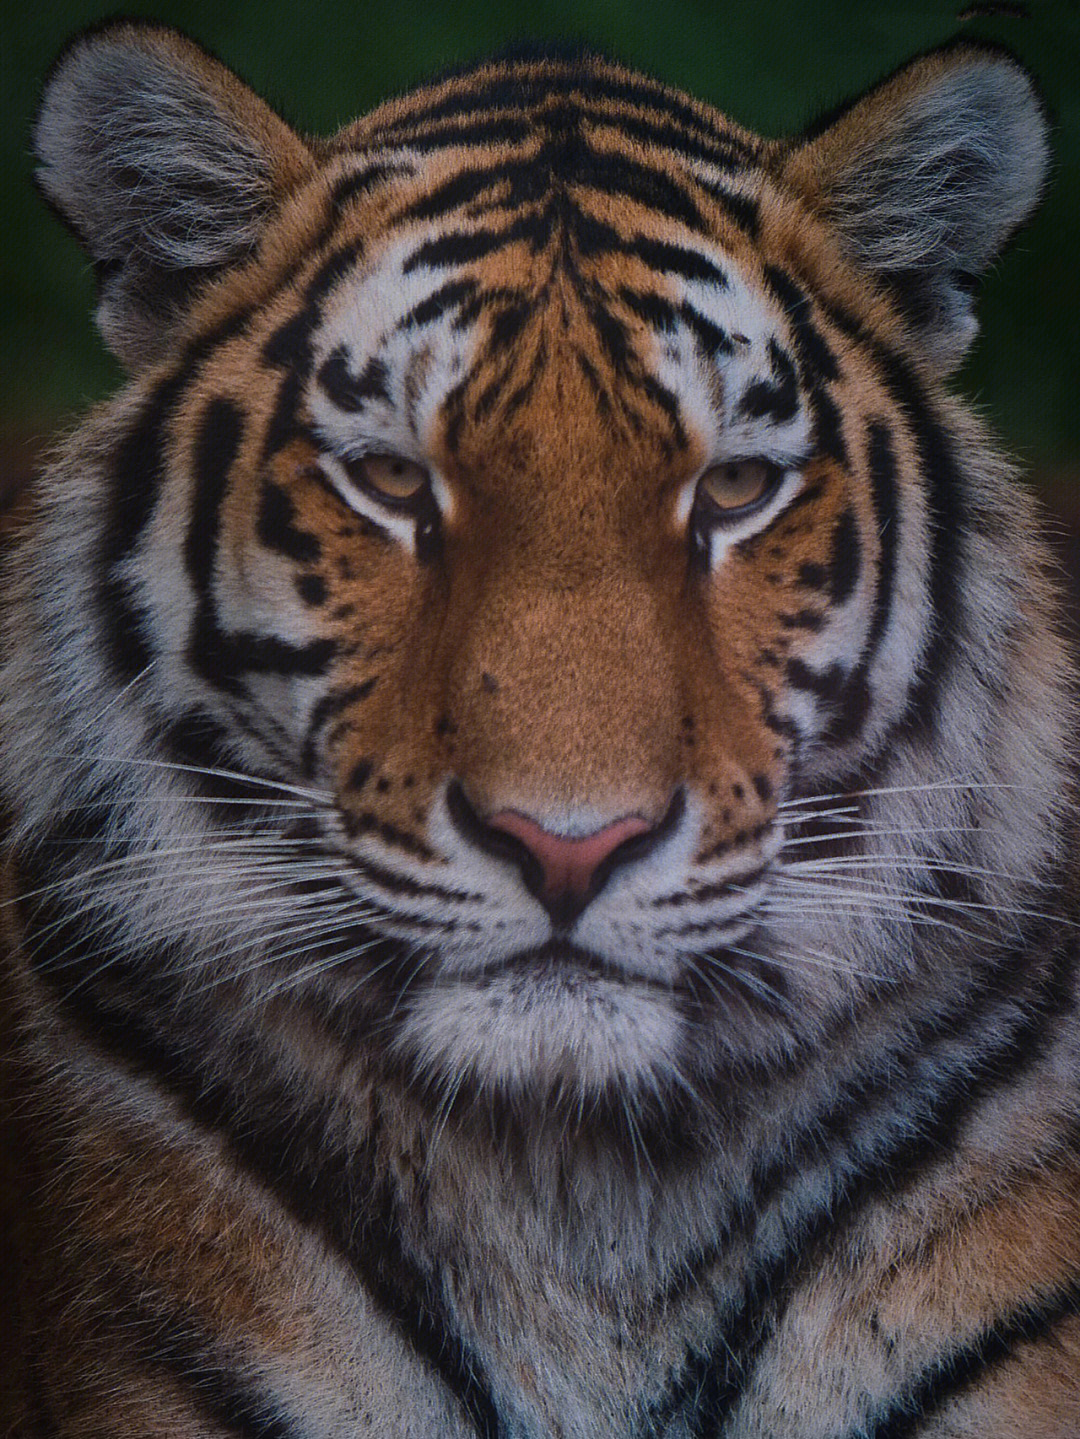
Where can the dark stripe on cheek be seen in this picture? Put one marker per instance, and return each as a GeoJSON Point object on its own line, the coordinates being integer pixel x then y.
{"type": "Point", "coordinates": [311, 589]}
{"type": "Point", "coordinates": [845, 562]}
{"type": "Point", "coordinates": [844, 697]}
{"type": "Point", "coordinates": [285, 425]}
{"type": "Point", "coordinates": [327, 709]}
{"type": "Point", "coordinates": [217, 447]}
{"type": "Point", "coordinates": [219, 657]}
{"type": "Point", "coordinates": [823, 684]}
{"type": "Point", "coordinates": [940, 473]}
{"type": "Point", "coordinates": [220, 433]}
{"type": "Point", "coordinates": [817, 364]}
{"type": "Point", "coordinates": [882, 465]}
{"type": "Point", "coordinates": [199, 743]}
{"type": "Point", "coordinates": [277, 531]}
{"type": "Point", "coordinates": [136, 481]}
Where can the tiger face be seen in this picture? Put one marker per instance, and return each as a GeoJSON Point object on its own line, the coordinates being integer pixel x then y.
{"type": "Point", "coordinates": [531, 503]}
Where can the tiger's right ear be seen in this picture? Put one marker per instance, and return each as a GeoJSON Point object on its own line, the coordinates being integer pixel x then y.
{"type": "Point", "coordinates": [165, 165]}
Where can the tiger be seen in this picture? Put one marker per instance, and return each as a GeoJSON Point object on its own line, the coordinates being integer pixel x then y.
{"type": "Point", "coordinates": [540, 753]}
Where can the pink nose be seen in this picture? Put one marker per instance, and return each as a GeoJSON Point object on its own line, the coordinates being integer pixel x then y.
{"type": "Point", "coordinates": [569, 864]}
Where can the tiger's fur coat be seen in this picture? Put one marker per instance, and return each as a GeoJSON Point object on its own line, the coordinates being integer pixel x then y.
{"type": "Point", "coordinates": [541, 882]}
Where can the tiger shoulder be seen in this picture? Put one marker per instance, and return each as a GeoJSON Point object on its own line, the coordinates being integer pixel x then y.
{"type": "Point", "coordinates": [540, 879]}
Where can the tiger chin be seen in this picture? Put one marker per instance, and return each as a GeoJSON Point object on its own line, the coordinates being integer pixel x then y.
{"type": "Point", "coordinates": [540, 765]}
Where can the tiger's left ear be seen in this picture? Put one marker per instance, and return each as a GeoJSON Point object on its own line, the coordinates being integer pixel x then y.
{"type": "Point", "coordinates": [926, 177]}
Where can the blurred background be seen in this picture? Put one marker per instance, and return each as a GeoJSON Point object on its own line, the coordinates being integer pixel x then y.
{"type": "Point", "coordinates": [772, 64]}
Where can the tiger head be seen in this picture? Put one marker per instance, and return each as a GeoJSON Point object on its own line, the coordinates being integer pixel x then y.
{"type": "Point", "coordinates": [525, 507]}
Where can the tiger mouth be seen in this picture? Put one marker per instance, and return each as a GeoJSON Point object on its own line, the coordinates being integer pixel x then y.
{"type": "Point", "coordinates": [562, 962]}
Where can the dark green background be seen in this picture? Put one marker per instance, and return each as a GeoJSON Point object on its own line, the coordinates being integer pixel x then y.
{"type": "Point", "coordinates": [772, 64]}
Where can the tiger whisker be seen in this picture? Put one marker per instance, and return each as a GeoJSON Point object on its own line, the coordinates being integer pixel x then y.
{"type": "Point", "coordinates": [319, 797]}
{"type": "Point", "coordinates": [959, 786]}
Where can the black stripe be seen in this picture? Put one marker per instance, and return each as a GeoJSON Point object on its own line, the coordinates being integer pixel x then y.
{"type": "Point", "coordinates": [743, 210]}
{"type": "Point", "coordinates": [496, 128]}
{"type": "Point", "coordinates": [277, 530]}
{"type": "Point", "coordinates": [219, 657]}
{"type": "Point", "coordinates": [711, 338]}
{"type": "Point", "coordinates": [845, 559]}
{"type": "Point", "coordinates": [503, 127]}
{"type": "Point", "coordinates": [620, 175]}
{"type": "Point", "coordinates": [173, 1339]}
{"type": "Point", "coordinates": [722, 152]}
{"type": "Point", "coordinates": [285, 424]}
{"type": "Point", "coordinates": [950, 1376]}
{"type": "Point", "coordinates": [289, 346]}
{"type": "Point", "coordinates": [656, 310]}
{"type": "Point", "coordinates": [202, 745]}
{"type": "Point", "coordinates": [140, 458]}
{"type": "Point", "coordinates": [461, 247]}
{"type": "Point", "coordinates": [362, 182]}
{"type": "Point", "coordinates": [450, 296]}
{"type": "Point", "coordinates": [778, 398]}
{"type": "Point", "coordinates": [350, 392]}
{"type": "Point", "coordinates": [519, 90]}
{"type": "Point", "coordinates": [136, 482]}
{"type": "Point", "coordinates": [564, 160]}
{"type": "Point", "coordinates": [672, 259]}
{"type": "Point", "coordinates": [296, 1150]}
{"type": "Point", "coordinates": [881, 462]}
{"type": "Point", "coordinates": [330, 705]}
{"type": "Point", "coordinates": [817, 363]}
{"type": "Point", "coordinates": [1015, 1024]}
{"type": "Point", "coordinates": [944, 482]}
{"type": "Point", "coordinates": [217, 445]}
{"type": "Point", "coordinates": [593, 237]}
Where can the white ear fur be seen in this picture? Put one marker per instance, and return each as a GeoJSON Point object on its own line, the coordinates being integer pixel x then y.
{"type": "Point", "coordinates": [164, 164]}
{"type": "Point", "coordinates": [925, 179]}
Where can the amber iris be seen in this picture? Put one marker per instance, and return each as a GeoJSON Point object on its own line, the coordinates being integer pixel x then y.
{"type": "Point", "coordinates": [390, 478]}
{"type": "Point", "coordinates": [738, 487]}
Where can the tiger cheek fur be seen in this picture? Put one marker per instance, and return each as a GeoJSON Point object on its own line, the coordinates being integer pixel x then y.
{"type": "Point", "coordinates": [540, 896]}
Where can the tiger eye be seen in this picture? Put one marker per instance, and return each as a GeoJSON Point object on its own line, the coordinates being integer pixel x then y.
{"type": "Point", "coordinates": [391, 478]}
{"type": "Point", "coordinates": [739, 485]}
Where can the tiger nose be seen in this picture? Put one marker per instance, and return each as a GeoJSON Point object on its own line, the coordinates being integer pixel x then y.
{"type": "Point", "coordinates": [568, 863]}
{"type": "Point", "coordinates": [564, 872]}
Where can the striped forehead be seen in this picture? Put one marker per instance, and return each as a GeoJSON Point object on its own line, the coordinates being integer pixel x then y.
{"type": "Point", "coordinates": [406, 329]}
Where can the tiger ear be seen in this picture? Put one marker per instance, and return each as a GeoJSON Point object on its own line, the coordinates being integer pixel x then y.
{"type": "Point", "coordinates": [926, 177]}
{"type": "Point", "coordinates": [164, 164]}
